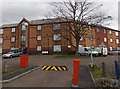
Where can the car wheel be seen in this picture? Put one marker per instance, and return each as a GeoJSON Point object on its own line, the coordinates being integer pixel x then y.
{"type": "Point", "coordinates": [11, 56]}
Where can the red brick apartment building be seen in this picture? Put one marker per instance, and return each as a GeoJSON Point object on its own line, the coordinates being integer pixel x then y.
{"type": "Point", "coordinates": [44, 35]}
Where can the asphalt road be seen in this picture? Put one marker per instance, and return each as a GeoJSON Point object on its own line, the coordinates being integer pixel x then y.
{"type": "Point", "coordinates": [41, 78]}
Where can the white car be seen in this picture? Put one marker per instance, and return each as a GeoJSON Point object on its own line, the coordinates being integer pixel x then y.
{"type": "Point", "coordinates": [12, 54]}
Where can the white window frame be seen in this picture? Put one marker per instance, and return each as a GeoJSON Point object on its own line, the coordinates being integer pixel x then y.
{"type": "Point", "coordinates": [13, 29]}
{"type": "Point", "coordinates": [56, 26]}
{"type": "Point", "coordinates": [57, 37]}
{"type": "Point", "coordinates": [1, 31]}
{"type": "Point", "coordinates": [104, 30]}
{"type": "Point", "coordinates": [22, 27]}
{"type": "Point", "coordinates": [81, 38]}
{"type": "Point", "coordinates": [117, 41]}
{"type": "Point", "coordinates": [116, 33]}
{"type": "Point", "coordinates": [105, 39]}
{"type": "Point", "coordinates": [57, 48]}
{"type": "Point", "coordinates": [1, 40]}
{"type": "Point", "coordinates": [12, 39]}
{"type": "Point", "coordinates": [39, 48]}
{"type": "Point", "coordinates": [111, 40]}
{"type": "Point", "coordinates": [39, 27]}
{"type": "Point", "coordinates": [110, 32]}
{"type": "Point", "coordinates": [111, 48]}
{"type": "Point", "coordinates": [97, 30]}
{"type": "Point", "coordinates": [39, 37]}
{"type": "Point", "coordinates": [23, 38]}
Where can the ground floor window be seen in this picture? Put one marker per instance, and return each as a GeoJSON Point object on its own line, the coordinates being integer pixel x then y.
{"type": "Point", "coordinates": [110, 48]}
{"type": "Point", "coordinates": [38, 48]}
{"type": "Point", "coordinates": [57, 48]}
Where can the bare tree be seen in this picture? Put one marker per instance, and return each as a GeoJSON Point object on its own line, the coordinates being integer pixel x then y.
{"type": "Point", "coordinates": [78, 14]}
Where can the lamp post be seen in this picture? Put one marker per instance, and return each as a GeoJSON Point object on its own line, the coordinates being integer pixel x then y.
{"type": "Point", "coordinates": [91, 62]}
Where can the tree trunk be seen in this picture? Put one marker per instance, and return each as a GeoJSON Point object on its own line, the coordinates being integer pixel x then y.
{"type": "Point", "coordinates": [77, 46]}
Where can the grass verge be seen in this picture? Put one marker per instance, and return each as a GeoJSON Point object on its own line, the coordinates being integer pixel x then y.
{"type": "Point", "coordinates": [11, 71]}
{"type": "Point", "coordinates": [96, 72]}
{"type": "Point", "coordinates": [71, 56]}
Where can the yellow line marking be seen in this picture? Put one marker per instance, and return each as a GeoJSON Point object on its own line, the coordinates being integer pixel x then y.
{"type": "Point", "coordinates": [59, 68]}
{"type": "Point", "coordinates": [54, 68]}
{"type": "Point", "coordinates": [48, 68]}
{"type": "Point", "coordinates": [43, 67]}
{"type": "Point", "coordinates": [63, 67]}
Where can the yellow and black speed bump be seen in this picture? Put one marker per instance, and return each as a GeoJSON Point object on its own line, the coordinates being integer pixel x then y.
{"type": "Point", "coordinates": [54, 68]}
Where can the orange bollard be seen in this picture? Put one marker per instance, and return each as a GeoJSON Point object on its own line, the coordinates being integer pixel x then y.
{"type": "Point", "coordinates": [76, 64]}
{"type": "Point", "coordinates": [23, 60]}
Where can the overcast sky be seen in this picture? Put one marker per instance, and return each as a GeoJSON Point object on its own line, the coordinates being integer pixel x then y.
{"type": "Point", "coordinates": [12, 11]}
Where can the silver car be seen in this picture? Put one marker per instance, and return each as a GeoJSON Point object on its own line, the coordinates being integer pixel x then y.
{"type": "Point", "coordinates": [12, 54]}
{"type": "Point", "coordinates": [114, 52]}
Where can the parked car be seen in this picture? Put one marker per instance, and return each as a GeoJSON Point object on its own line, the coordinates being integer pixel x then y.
{"type": "Point", "coordinates": [13, 53]}
{"type": "Point", "coordinates": [112, 52]}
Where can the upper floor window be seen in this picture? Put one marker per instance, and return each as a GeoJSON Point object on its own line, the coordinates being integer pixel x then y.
{"type": "Point", "coordinates": [1, 31]}
{"type": "Point", "coordinates": [12, 39]}
{"type": "Point", "coordinates": [104, 30]}
{"type": "Point", "coordinates": [39, 37]}
{"type": "Point", "coordinates": [38, 48]}
{"type": "Point", "coordinates": [39, 27]}
{"type": "Point", "coordinates": [57, 37]}
{"type": "Point", "coordinates": [105, 39]}
{"type": "Point", "coordinates": [110, 32]}
{"type": "Point", "coordinates": [110, 48]}
{"type": "Point", "coordinates": [81, 38]}
{"type": "Point", "coordinates": [13, 29]}
{"type": "Point", "coordinates": [56, 26]}
{"type": "Point", "coordinates": [1, 40]}
{"type": "Point", "coordinates": [97, 29]}
{"type": "Point", "coordinates": [57, 48]}
{"type": "Point", "coordinates": [111, 40]}
{"type": "Point", "coordinates": [117, 41]}
{"type": "Point", "coordinates": [116, 33]}
{"type": "Point", "coordinates": [23, 27]}
{"type": "Point", "coordinates": [98, 38]}
{"type": "Point", "coordinates": [23, 38]}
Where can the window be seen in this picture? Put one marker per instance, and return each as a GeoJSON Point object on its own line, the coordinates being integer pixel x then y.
{"type": "Point", "coordinates": [39, 27]}
{"type": "Point", "coordinates": [105, 39]}
{"type": "Point", "coordinates": [23, 38]}
{"type": "Point", "coordinates": [38, 37]}
{"type": "Point", "coordinates": [81, 38]}
{"type": "Point", "coordinates": [23, 27]}
{"type": "Point", "coordinates": [1, 40]}
{"type": "Point", "coordinates": [111, 40]}
{"type": "Point", "coordinates": [57, 48]}
{"type": "Point", "coordinates": [56, 26]}
{"type": "Point", "coordinates": [104, 30]}
{"type": "Point", "coordinates": [97, 29]}
{"type": "Point", "coordinates": [110, 48]}
{"type": "Point", "coordinates": [38, 48]}
{"type": "Point", "coordinates": [116, 33]}
{"type": "Point", "coordinates": [57, 37]}
{"type": "Point", "coordinates": [1, 31]}
{"type": "Point", "coordinates": [12, 39]}
{"type": "Point", "coordinates": [110, 32]}
{"type": "Point", "coordinates": [117, 41]}
{"type": "Point", "coordinates": [13, 29]}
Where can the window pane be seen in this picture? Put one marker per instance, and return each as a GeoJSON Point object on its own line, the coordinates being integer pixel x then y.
{"type": "Point", "coordinates": [38, 37]}
{"type": "Point", "coordinates": [1, 40]}
{"type": "Point", "coordinates": [38, 48]}
{"type": "Point", "coordinates": [57, 48]}
{"type": "Point", "coordinates": [56, 26]}
{"type": "Point", "coordinates": [116, 33]}
{"type": "Point", "coordinates": [1, 31]}
{"type": "Point", "coordinates": [13, 29]}
{"type": "Point", "coordinates": [57, 36]}
{"type": "Point", "coordinates": [39, 27]}
{"type": "Point", "coordinates": [23, 27]}
{"type": "Point", "coordinates": [23, 38]}
{"type": "Point", "coordinates": [13, 39]}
